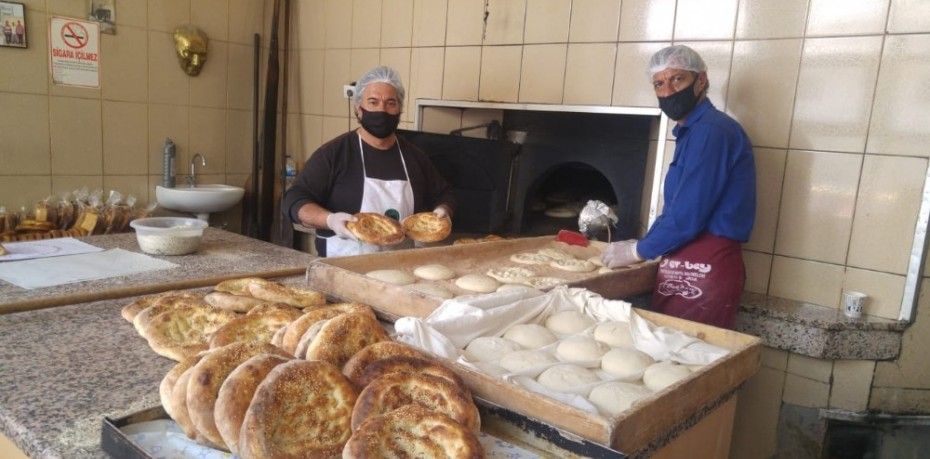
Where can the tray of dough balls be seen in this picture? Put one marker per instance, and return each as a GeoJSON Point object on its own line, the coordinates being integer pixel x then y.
{"type": "Point", "coordinates": [577, 360]}
{"type": "Point", "coordinates": [414, 282]}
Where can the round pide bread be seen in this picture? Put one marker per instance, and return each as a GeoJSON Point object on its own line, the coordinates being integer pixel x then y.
{"type": "Point", "coordinates": [239, 286]}
{"type": "Point", "coordinates": [406, 364]}
{"type": "Point", "coordinates": [344, 335]}
{"type": "Point", "coordinates": [427, 227]}
{"type": "Point", "coordinates": [232, 302]}
{"type": "Point", "coordinates": [180, 333]}
{"type": "Point", "coordinates": [251, 328]}
{"type": "Point", "coordinates": [278, 293]}
{"type": "Point", "coordinates": [296, 329]}
{"type": "Point", "coordinates": [171, 378]}
{"type": "Point", "coordinates": [412, 431]}
{"type": "Point", "coordinates": [376, 229]}
{"type": "Point", "coordinates": [356, 365]}
{"type": "Point", "coordinates": [301, 409]}
{"type": "Point", "coordinates": [208, 375]}
{"type": "Point", "coordinates": [396, 390]}
{"type": "Point", "coordinates": [235, 395]}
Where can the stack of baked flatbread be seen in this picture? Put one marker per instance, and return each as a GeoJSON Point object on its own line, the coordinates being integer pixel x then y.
{"type": "Point", "coordinates": [178, 325]}
{"type": "Point", "coordinates": [261, 378]}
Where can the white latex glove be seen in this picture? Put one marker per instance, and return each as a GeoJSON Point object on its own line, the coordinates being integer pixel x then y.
{"type": "Point", "coordinates": [621, 254]}
{"type": "Point", "coordinates": [441, 212]}
{"type": "Point", "coordinates": [336, 221]}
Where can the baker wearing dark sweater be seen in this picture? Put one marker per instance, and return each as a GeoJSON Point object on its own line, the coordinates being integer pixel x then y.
{"type": "Point", "coordinates": [368, 170]}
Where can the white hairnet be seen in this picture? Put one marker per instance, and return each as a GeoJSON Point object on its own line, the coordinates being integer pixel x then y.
{"type": "Point", "coordinates": [676, 57]}
{"type": "Point", "coordinates": [380, 74]}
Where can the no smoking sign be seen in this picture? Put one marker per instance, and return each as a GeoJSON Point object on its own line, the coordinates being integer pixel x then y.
{"type": "Point", "coordinates": [74, 47]}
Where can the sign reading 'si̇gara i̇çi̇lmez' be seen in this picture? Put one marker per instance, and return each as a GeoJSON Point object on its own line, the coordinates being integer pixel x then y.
{"type": "Point", "coordinates": [74, 52]}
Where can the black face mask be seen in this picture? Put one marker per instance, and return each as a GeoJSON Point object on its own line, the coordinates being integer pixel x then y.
{"type": "Point", "coordinates": [379, 124]}
{"type": "Point", "coordinates": [677, 105]}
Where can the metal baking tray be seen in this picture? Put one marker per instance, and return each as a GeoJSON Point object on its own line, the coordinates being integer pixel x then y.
{"type": "Point", "coordinates": [535, 437]}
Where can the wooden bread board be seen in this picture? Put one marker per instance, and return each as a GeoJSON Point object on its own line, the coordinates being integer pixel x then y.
{"type": "Point", "coordinates": [344, 277]}
{"type": "Point", "coordinates": [637, 428]}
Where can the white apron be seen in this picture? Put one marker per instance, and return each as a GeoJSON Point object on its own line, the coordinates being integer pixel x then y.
{"type": "Point", "coordinates": [377, 196]}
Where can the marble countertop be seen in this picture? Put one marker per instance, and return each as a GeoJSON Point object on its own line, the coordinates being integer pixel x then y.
{"type": "Point", "coordinates": [222, 255]}
{"type": "Point", "coordinates": [63, 369]}
{"type": "Point", "coordinates": [818, 331]}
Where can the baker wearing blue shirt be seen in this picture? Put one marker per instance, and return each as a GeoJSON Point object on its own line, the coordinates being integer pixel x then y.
{"type": "Point", "coordinates": [710, 200]}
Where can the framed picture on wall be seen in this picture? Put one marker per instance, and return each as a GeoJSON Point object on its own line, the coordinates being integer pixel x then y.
{"type": "Point", "coordinates": [104, 12]}
{"type": "Point", "coordinates": [13, 23]}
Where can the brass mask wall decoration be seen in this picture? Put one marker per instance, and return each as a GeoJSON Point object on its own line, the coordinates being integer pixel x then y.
{"type": "Point", "coordinates": [191, 46]}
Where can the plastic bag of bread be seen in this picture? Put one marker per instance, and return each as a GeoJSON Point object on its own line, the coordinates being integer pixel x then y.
{"type": "Point", "coordinates": [8, 220]}
{"type": "Point", "coordinates": [46, 210]}
{"type": "Point", "coordinates": [92, 220]}
{"type": "Point", "coordinates": [66, 211]}
{"type": "Point", "coordinates": [116, 214]}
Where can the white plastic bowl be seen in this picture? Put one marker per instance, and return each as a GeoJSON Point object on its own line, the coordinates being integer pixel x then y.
{"type": "Point", "coordinates": [168, 235]}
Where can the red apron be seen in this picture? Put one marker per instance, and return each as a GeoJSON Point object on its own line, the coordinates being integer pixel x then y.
{"type": "Point", "coordinates": [702, 281]}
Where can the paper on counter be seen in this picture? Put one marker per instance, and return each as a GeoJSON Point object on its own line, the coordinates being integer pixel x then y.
{"type": "Point", "coordinates": [48, 272]}
{"type": "Point", "coordinates": [46, 248]}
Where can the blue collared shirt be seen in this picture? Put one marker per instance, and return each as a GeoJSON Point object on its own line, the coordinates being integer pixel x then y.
{"type": "Point", "coordinates": [710, 185]}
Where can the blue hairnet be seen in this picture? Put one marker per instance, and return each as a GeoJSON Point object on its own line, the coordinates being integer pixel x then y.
{"type": "Point", "coordinates": [676, 57]}
{"type": "Point", "coordinates": [380, 74]}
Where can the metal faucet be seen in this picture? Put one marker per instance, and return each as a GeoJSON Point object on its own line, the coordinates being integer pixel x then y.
{"type": "Point", "coordinates": [192, 178]}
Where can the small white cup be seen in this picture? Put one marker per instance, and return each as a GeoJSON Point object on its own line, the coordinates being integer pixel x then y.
{"type": "Point", "coordinates": [852, 304]}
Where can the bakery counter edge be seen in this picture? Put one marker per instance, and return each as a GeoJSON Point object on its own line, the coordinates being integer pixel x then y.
{"type": "Point", "coordinates": [63, 369]}
{"type": "Point", "coordinates": [222, 255]}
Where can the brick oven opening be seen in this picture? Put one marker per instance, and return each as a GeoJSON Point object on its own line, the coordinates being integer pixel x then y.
{"type": "Point", "coordinates": [529, 171]}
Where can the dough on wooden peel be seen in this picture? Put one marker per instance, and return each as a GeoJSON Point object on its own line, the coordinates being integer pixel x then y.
{"type": "Point", "coordinates": [544, 282]}
{"type": "Point", "coordinates": [391, 276]}
{"type": "Point", "coordinates": [555, 254]}
{"type": "Point", "coordinates": [477, 283]}
{"type": "Point", "coordinates": [510, 274]}
{"type": "Point", "coordinates": [573, 265]}
{"type": "Point", "coordinates": [376, 229]}
{"type": "Point", "coordinates": [427, 227]}
{"type": "Point", "coordinates": [433, 272]}
{"type": "Point", "coordinates": [530, 258]}
{"type": "Point", "coordinates": [432, 290]}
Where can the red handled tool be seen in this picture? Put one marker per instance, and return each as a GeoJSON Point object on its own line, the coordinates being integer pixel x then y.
{"type": "Point", "coordinates": [572, 238]}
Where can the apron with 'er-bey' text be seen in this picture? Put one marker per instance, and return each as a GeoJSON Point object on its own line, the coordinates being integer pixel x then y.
{"type": "Point", "coordinates": [702, 281]}
{"type": "Point", "coordinates": [378, 196]}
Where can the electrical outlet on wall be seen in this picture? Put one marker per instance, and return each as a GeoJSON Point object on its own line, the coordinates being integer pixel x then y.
{"type": "Point", "coordinates": [348, 91]}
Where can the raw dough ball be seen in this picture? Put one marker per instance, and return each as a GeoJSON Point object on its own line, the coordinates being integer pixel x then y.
{"type": "Point", "coordinates": [524, 360]}
{"type": "Point", "coordinates": [614, 398]}
{"type": "Point", "coordinates": [580, 349]}
{"type": "Point", "coordinates": [477, 283]}
{"type": "Point", "coordinates": [433, 289]}
{"type": "Point", "coordinates": [568, 378]}
{"type": "Point", "coordinates": [614, 334]}
{"type": "Point", "coordinates": [392, 276]}
{"type": "Point", "coordinates": [530, 336]}
{"type": "Point", "coordinates": [433, 272]}
{"type": "Point", "coordinates": [664, 374]}
{"type": "Point", "coordinates": [568, 322]}
{"type": "Point", "coordinates": [489, 348]}
{"type": "Point", "coordinates": [626, 363]}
